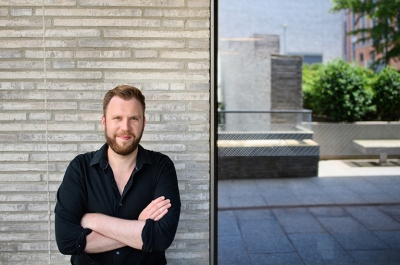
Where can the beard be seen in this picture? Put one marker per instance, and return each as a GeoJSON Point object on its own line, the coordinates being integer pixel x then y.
{"type": "Point", "coordinates": [126, 148]}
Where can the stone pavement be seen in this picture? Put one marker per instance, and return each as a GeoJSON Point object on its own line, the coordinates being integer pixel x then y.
{"type": "Point", "coordinates": [348, 215]}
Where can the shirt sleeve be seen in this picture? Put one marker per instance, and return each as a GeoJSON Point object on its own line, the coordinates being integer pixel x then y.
{"type": "Point", "coordinates": [69, 210]}
{"type": "Point", "coordinates": [158, 235]}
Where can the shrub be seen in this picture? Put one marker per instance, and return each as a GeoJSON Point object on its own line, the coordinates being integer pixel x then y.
{"type": "Point", "coordinates": [387, 95]}
{"type": "Point", "coordinates": [342, 92]}
{"type": "Point", "coordinates": [309, 77]}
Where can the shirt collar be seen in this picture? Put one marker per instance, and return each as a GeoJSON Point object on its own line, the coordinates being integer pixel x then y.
{"type": "Point", "coordinates": [100, 157]}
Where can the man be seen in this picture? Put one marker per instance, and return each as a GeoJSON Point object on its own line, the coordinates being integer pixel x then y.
{"type": "Point", "coordinates": [120, 204]}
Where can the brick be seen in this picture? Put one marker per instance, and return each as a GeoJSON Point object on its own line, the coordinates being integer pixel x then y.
{"type": "Point", "coordinates": [22, 197]}
{"type": "Point", "coordinates": [87, 12]}
{"type": "Point", "coordinates": [39, 105]}
{"type": "Point", "coordinates": [17, 85]}
{"type": "Point", "coordinates": [3, 12]}
{"type": "Point", "coordinates": [154, 76]}
{"type": "Point", "coordinates": [185, 117]}
{"type": "Point", "coordinates": [53, 157]}
{"type": "Point", "coordinates": [37, 2]}
{"type": "Point", "coordinates": [169, 23]}
{"type": "Point", "coordinates": [180, 96]}
{"type": "Point", "coordinates": [164, 3]}
{"type": "Point", "coordinates": [36, 43]}
{"type": "Point", "coordinates": [63, 137]}
{"type": "Point", "coordinates": [196, 24]}
{"type": "Point", "coordinates": [145, 44]}
{"type": "Point", "coordinates": [199, 66]}
{"type": "Point", "coordinates": [205, 106]}
{"type": "Point", "coordinates": [199, 44]}
{"type": "Point", "coordinates": [26, 147]}
{"type": "Point", "coordinates": [179, 13]}
{"type": "Point", "coordinates": [12, 207]}
{"type": "Point", "coordinates": [165, 127]}
{"type": "Point", "coordinates": [118, 33]}
{"type": "Point", "coordinates": [8, 137]}
{"type": "Point", "coordinates": [165, 86]}
{"type": "Point", "coordinates": [22, 64]}
{"type": "Point", "coordinates": [10, 54]}
{"type": "Point", "coordinates": [39, 116]}
{"type": "Point", "coordinates": [64, 65]}
{"type": "Point", "coordinates": [198, 3]}
{"type": "Point", "coordinates": [34, 22]}
{"type": "Point", "coordinates": [155, 106]}
{"type": "Point", "coordinates": [132, 65]}
{"type": "Point", "coordinates": [78, 117]}
{"type": "Point", "coordinates": [26, 167]}
{"type": "Point", "coordinates": [197, 235]}
{"type": "Point", "coordinates": [14, 157]}
{"type": "Point", "coordinates": [199, 128]}
{"type": "Point", "coordinates": [26, 12]}
{"type": "Point", "coordinates": [12, 116]}
{"type": "Point", "coordinates": [50, 75]}
{"type": "Point", "coordinates": [185, 55]}
{"type": "Point", "coordinates": [174, 137]}
{"type": "Point", "coordinates": [20, 177]}
{"type": "Point", "coordinates": [166, 147]}
{"type": "Point", "coordinates": [115, 22]}
{"type": "Point", "coordinates": [145, 54]}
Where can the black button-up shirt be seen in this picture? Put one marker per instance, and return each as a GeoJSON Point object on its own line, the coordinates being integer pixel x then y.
{"type": "Point", "coordinates": [89, 187]}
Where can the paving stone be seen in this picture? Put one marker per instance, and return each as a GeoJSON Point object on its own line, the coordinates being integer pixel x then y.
{"type": "Point", "coordinates": [373, 219]}
{"type": "Point", "coordinates": [328, 211]}
{"type": "Point", "coordinates": [376, 257]}
{"type": "Point", "coordinates": [227, 224]}
{"type": "Point", "coordinates": [350, 234]}
{"type": "Point", "coordinates": [264, 236]}
{"type": "Point", "coordinates": [254, 214]}
{"type": "Point", "coordinates": [287, 258]}
{"type": "Point", "coordinates": [231, 250]}
{"type": "Point", "coordinates": [248, 201]}
{"type": "Point", "coordinates": [297, 220]}
{"type": "Point", "coordinates": [320, 248]}
{"type": "Point", "coordinates": [391, 238]}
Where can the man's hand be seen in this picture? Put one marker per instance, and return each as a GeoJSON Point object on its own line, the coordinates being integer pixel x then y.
{"type": "Point", "coordinates": [155, 210]}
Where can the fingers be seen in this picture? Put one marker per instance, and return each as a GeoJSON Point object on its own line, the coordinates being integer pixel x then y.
{"type": "Point", "coordinates": [161, 211]}
{"type": "Point", "coordinates": [156, 209]}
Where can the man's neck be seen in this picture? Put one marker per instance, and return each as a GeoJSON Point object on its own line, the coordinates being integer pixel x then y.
{"type": "Point", "coordinates": [124, 163]}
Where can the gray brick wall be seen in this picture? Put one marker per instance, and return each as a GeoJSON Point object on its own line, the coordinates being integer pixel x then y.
{"type": "Point", "coordinates": [56, 63]}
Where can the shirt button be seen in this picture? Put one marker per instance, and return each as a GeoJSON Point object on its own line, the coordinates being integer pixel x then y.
{"type": "Point", "coordinates": [120, 204]}
{"type": "Point", "coordinates": [117, 252]}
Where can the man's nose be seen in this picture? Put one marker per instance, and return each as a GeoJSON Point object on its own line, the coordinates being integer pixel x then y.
{"type": "Point", "coordinates": [125, 124]}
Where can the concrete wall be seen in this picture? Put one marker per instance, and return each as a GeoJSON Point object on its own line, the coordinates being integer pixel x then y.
{"type": "Point", "coordinates": [57, 60]}
{"type": "Point", "coordinates": [245, 78]}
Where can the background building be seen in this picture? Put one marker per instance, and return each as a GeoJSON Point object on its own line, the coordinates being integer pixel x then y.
{"type": "Point", "coordinates": [355, 49]}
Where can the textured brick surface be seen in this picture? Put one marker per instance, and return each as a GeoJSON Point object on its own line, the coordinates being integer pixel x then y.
{"type": "Point", "coordinates": [57, 60]}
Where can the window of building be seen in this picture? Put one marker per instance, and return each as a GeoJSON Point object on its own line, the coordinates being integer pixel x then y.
{"type": "Point", "coordinates": [361, 57]}
{"type": "Point", "coordinates": [372, 56]}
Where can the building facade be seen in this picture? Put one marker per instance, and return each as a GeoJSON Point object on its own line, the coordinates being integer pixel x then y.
{"type": "Point", "coordinates": [355, 49]}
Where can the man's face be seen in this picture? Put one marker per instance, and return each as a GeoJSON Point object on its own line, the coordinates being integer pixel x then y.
{"type": "Point", "coordinates": [123, 125]}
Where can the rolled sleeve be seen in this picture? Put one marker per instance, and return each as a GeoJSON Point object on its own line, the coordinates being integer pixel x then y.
{"type": "Point", "coordinates": [69, 210]}
{"type": "Point", "coordinates": [159, 235]}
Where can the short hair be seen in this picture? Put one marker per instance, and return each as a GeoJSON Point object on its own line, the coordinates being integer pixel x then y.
{"type": "Point", "coordinates": [125, 92]}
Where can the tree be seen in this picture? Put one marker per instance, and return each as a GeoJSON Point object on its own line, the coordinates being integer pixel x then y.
{"type": "Point", "coordinates": [385, 29]}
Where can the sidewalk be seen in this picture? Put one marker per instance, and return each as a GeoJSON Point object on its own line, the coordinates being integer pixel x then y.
{"type": "Point", "coordinates": [348, 215]}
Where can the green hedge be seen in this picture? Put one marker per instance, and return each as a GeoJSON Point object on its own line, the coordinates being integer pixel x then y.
{"type": "Point", "coordinates": [344, 92]}
{"type": "Point", "coordinates": [387, 95]}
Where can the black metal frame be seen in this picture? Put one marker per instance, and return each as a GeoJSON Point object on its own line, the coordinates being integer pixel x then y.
{"type": "Point", "coordinates": [213, 133]}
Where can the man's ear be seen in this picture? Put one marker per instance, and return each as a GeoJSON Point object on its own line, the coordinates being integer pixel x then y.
{"type": "Point", "coordinates": [103, 122]}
